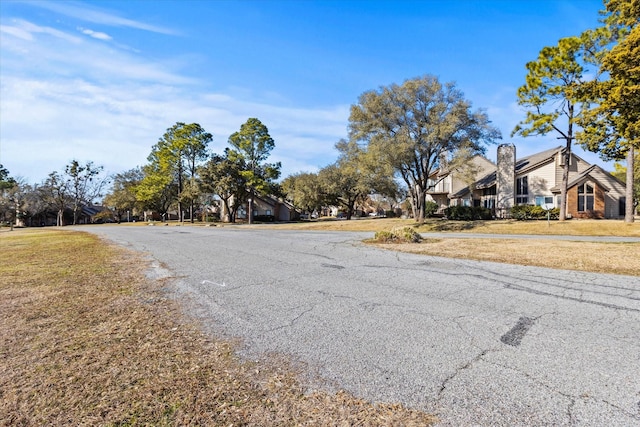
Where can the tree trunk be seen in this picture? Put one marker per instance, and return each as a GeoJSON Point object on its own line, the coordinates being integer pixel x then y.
{"type": "Point", "coordinates": [563, 187]}
{"type": "Point", "coordinates": [628, 213]}
{"type": "Point", "coordinates": [419, 202]}
{"type": "Point", "coordinates": [565, 176]}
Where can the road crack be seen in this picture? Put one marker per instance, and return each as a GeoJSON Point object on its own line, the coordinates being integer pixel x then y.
{"type": "Point", "coordinates": [458, 371]}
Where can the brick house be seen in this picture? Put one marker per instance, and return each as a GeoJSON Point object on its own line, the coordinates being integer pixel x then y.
{"type": "Point", "coordinates": [535, 180]}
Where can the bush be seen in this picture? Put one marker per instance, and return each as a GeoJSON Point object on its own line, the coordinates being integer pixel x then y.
{"type": "Point", "coordinates": [430, 208]}
{"type": "Point", "coordinates": [467, 213]}
{"type": "Point", "coordinates": [528, 212]}
{"type": "Point", "coordinates": [264, 218]}
{"type": "Point", "coordinates": [384, 236]}
{"type": "Point", "coordinates": [398, 235]}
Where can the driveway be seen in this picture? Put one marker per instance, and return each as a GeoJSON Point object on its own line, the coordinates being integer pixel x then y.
{"type": "Point", "coordinates": [477, 343]}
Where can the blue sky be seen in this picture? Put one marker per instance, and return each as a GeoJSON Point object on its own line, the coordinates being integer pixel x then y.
{"type": "Point", "coordinates": [101, 81]}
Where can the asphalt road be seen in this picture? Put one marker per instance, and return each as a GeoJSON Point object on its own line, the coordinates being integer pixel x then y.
{"type": "Point", "coordinates": [477, 343]}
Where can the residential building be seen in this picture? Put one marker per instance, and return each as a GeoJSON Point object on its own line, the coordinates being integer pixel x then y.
{"type": "Point", "coordinates": [536, 179]}
{"type": "Point", "coordinates": [446, 181]}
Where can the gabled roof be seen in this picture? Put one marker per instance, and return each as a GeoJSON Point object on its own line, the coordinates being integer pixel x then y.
{"type": "Point", "coordinates": [522, 165]}
{"type": "Point", "coordinates": [586, 173]}
{"type": "Point", "coordinates": [91, 210]}
{"type": "Point", "coordinates": [535, 160]}
{"type": "Point", "coordinates": [442, 172]}
{"type": "Point", "coordinates": [532, 162]}
{"type": "Point", "coordinates": [486, 181]}
{"type": "Point", "coordinates": [273, 200]}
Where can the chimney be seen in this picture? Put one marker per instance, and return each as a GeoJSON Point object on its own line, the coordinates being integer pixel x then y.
{"type": "Point", "coordinates": [505, 179]}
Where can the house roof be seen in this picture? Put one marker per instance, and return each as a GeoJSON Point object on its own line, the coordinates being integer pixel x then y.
{"type": "Point", "coordinates": [273, 200]}
{"type": "Point", "coordinates": [91, 210]}
{"type": "Point", "coordinates": [522, 165]}
{"type": "Point", "coordinates": [535, 160]}
{"type": "Point", "coordinates": [586, 173]}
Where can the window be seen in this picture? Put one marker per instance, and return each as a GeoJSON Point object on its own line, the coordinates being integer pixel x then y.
{"type": "Point", "coordinates": [267, 212]}
{"type": "Point", "coordinates": [522, 191]}
{"type": "Point", "coordinates": [489, 203]}
{"type": "Point", "coordinates": [622, 206]}
{"type": "Point", "coordinates": [585, 197]}
{"type": "Point", "coordinates": [491, 191]}
{"type": "Point", "coordinates": [544, 200]}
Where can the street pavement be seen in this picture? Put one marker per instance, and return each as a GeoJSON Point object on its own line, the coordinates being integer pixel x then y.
{"type": "Point", "coordinates": [476, 343]}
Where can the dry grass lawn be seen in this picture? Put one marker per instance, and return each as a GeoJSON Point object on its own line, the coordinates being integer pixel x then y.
{"type": "Point", "coordinates": [573, 227]}
{"type": "Point", "coordinates": [614, 258]}
{"type": "Point", "coordinates": [85, 339]}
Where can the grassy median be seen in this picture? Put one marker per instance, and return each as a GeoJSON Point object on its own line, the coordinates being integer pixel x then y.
{"type": "Point", "coordinates": [86, 339]}
{"type": "Point", "coordinates": [614, 258]}
{"type": "Point", "coordinates": [574, 227]}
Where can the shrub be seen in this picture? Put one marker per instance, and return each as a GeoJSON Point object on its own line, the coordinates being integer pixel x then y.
{"type": "Point", "coordinates": [384, 236]}
{"type": "Point", "coordinates": [430, 208]}
{"type": "Point", "coordinates": [398, 235]}
{"type": "Point", "coordinates": [264, 218]}
{"type": "Point", "coordinates": [528, 212]}
{"type": "Point", "coordinates": [467, 213]}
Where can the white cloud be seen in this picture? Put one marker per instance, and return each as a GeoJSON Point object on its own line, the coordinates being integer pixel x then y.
{"type": "Point", "coordinates": [95, 34]}
{"type": "Point", "coordinates": [25, 30]}
{"type": "Point", "coordinates": [37, 48]}
{"type": "Point", "coordinates": [87, 13]}
{"type": "Point", "coordinates": [15, 31]}
{"type": "Point", "coordinates": [46, 124]}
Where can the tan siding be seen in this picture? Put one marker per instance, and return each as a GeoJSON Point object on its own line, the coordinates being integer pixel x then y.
{"type": "Point", "coordinates": [612, 197]}
{"type": "Point", "coordinates": [541, 181]}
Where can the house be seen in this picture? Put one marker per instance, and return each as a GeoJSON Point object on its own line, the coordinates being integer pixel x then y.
{"type": "Point", "coordinates": [270, 206]}
{"type": "Point", "coordinates": [444, 182]}
{"type": "Point", "coordinates": [536, 179]}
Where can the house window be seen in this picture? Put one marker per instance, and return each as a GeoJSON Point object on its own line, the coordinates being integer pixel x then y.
{"type": "Point", "coordinates": [585, 197]}
{"type": "Point", "coordinates": [491, 191]}
{"type": "Point", "coordinates": [522, 191]}
{"type": "Point", "coordinates": [544, 200]}
{"type": "Point", "coordinates": [622, 206]}
{"type": "Point", "coordinates": [267, 212]}
{"type": "Point", "coordinates": [489, 203]}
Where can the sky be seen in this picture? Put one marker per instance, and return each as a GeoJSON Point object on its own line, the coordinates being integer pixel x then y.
{"type": "Point", "coordinates": [102, 81]}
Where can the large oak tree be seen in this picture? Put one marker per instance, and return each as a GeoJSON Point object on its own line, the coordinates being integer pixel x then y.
{"type": "Point", "coordinates": [223, 176]}
{"type": "Point", "coordinates": [411, 127]}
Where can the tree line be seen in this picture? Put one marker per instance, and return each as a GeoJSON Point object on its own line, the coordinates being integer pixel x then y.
{"type": "Point", "coordinates": [398, 135]}
{"type": "Point", "coordinates": [586, 89]}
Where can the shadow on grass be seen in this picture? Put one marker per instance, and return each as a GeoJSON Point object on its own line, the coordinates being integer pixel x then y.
{"type": "Point", "coordinates": [456, 225]}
